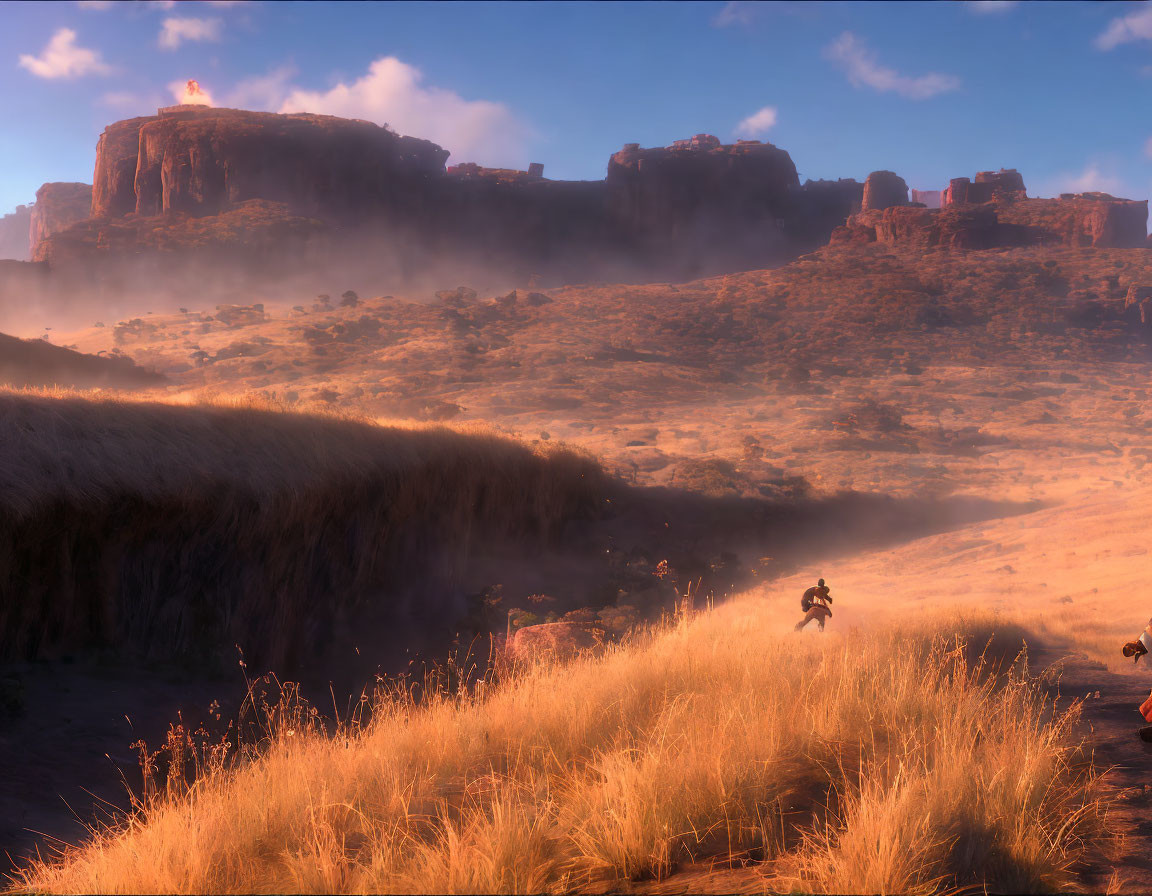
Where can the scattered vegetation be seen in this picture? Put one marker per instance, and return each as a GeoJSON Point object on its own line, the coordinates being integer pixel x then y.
{"type": "Point", "coordinates": [889, 760]}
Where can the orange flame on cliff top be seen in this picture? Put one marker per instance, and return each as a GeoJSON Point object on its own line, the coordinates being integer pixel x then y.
{"type": "Point", "coordinates": [194, 96]}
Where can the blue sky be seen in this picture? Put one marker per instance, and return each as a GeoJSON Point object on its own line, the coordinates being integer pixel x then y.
{"type": "Point", "coordinates": [1062, 91]}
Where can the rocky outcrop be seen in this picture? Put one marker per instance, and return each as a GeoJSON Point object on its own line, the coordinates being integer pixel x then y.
{"type": "Point", "coordinates": [695, 207]}
{"type": "Point", "coordinates": [821, 207]}
{"type": "Point", "coordinates": [14, 230]}
{"type": "Point", "coordinates": [1086, 219]}
{"type": "Point", "coordinates": [282, 192]}
{"type": "Point", "coordinates": [699, 203]}
{"type": "Point", "coordinates": [1138, 304]}
{"type": "Point", "coordinates": [994, 212]}
{"type": "Point", "coordinates": [552, 641]}
{"type": "Point", "coordinates": [884, 189]}
{"type": "Point", "coordinates": [923, 228]}
{"type": "Point", "coordinates": [1005, 185]}
{"type": "Point", "coordinates": [58, 207]}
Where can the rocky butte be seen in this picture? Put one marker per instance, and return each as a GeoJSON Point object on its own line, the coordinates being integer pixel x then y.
{"type": "Point", "coordinates": [195, 190]}
{"type": "Point", "coordinates": [162, 181]}
{"type": "Point", "coordinates": [58, 206]}
{"type": "Point", "coordinates": [994, 211]}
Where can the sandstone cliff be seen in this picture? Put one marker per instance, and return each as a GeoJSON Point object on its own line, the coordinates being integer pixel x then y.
{"type": "Point", "coordinates": [231, 185]}
{"type": "Point", "coordinates": [204, 161]}
{"type": "Point", "coordinates": [58, 206]}
{"type": "Point", "coordinates": [14, 230]}
{"type": "Point", "coordinates": [679, 211]}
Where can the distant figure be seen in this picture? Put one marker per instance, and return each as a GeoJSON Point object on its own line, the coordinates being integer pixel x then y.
{"type": "Point", "coordinates": [1137, 649]}
{"type": "Point", "coordinates": [814, 603]}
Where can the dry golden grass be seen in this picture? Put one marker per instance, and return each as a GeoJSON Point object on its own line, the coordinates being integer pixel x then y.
{"type": "Point", "coordinates": [872, 761]}
{"type": "Point", "coordinates": [175, 530]}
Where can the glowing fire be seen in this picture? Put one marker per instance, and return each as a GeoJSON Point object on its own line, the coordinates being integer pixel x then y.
{"type": "Point", "coordinates": [194, 95]}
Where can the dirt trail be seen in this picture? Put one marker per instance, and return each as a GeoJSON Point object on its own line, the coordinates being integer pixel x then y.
{"type": "Point", "coordinates": [1114, 723]}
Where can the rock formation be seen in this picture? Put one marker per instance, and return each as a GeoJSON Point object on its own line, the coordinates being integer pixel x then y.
{"type": "Point", "coordinates": [1084, 219]}
{"type": "Point", "coordinates": [204, 161]}
{"type": "Point", "coordinates": [994, 212]}
{"type": "Point", "coordinates": [1138, 304]}
{"type": "Point", "coordinates": [58, 207]}
{"type": "Point", "coordinates": [692, 208]}
{"type": "Point", "coordinates": [14, 230]}
{"type": "Point", "coordinates": [1005, 185]}
{"type": "Point", "coordinates": [286, 193]}
{"type": "Point", "coordinates": [884, 189]}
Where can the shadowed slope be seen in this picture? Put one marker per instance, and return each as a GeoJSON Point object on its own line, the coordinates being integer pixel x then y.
{"type": "Point", "coordinates": [36, 363]}
{"type": "Point", "coordinates": [164, 531]}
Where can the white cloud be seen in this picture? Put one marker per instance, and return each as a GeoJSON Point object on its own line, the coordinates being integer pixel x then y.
{"type": "Point", "coordinates": [1135, 26]}
{"type": "Point", "coordinates": [983, 7]}
{"type": "Point", "coordinates": [392, 93]}
{"type": "Point", "coordinates": [864, 70]}
{"type": "Point", "coordinates": [735, 12]}
{"type": "Point", "coordinates": [1090, 180]}
{"type": "Point", "coordinates": [63, 59]}
{"type": "Point", "coordinates": [757, 123]}
{"type": "Point", "coordinates": [190, 93]}
{"type": "Point", "coordinates": [177, 30]}
{"type": "Point", "coordinates": [263, 91]}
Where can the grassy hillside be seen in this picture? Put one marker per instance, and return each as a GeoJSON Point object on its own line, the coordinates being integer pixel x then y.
{"type": "Point", "coordinates": [168, 531]}
{"type": "Point", "coordinates": [888, 760]}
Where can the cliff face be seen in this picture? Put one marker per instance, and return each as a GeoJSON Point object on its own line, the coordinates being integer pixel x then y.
{"type": "Point", "coordinates": [113, 183]}
{"type": "Point", "coordinates": [58, 206]}
{"type": "Point", "coordinates": [692, 207]}
{"type": "Point", "coordinates": [14, 230]}
{"type": "Point", "coordinates": [226, 183]}
{"type": "Point", "coordinates": [1088, 219]}
{"type": "Point", "coordinates": [203, 161]}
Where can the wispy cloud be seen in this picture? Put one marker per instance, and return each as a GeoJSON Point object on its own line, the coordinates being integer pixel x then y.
{"type": "Point", "coordinates": [758, 123]}
{"type": "Point", "coordinates": [178, 29]}
{"type": "Point", "coordinates": [62, 58]}
{"type": "Point", "coordinates": [735, 12]}
{"type": "Point", "coordinates": [864, 70]}
{"type": "Point", "coordinates": [262, 91]}
{"type": "Point", "coordinates": [97, 5]}
{"type": "Point", "coordinates": [1136, 25]}
{"type": "Point", "coordinates": [986, 7]}
{"type": "Point", "coordinates": [392, 92]}
{"type": "Point", "coordinates": [1090, 180]}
